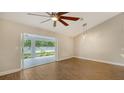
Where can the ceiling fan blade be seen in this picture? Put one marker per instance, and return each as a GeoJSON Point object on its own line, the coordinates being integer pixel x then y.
{"type": "Point", "coordinates": [54, 24]}
{"type": "Point", "coordinates": [45, 21]}
{"type": "Point", "coordinates": [63, 22]}
{"type": "Point", "coordinates": [62, 13]}
{"type": "Point", "coordinates": [69, 18]}
{"type": "Point", "coordinates": [38, 15]}
{"type": "Point", "coordinates": [50, 14]}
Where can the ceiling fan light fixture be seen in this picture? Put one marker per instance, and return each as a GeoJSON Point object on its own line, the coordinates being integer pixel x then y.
{"type": "Point", "coordinates": [54, 18]}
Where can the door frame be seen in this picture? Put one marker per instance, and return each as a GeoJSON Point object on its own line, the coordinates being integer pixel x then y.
{"type": "Point", "coordinates": [22, 56]}
{"type": "Point", "coordinates": [22, 50]}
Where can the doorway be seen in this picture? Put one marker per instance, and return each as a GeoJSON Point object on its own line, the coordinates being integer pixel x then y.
{"type": "Point", "coordinates": [38, 50]}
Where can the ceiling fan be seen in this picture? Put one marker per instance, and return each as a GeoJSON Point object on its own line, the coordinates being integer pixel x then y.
{"type": "Point", "coordinates": [56, 17]}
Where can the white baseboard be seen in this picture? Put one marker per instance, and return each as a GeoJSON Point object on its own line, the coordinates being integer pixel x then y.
{"type": "Point", "coordinates": [64, 58]}
{"type": "Point", "coordinates": [9, 71]}
{"type": "Point", "coordinates": [101, 61]}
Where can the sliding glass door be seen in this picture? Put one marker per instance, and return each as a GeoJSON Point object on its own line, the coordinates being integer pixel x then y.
{"type": "Point", "coordinates": [38, 50]}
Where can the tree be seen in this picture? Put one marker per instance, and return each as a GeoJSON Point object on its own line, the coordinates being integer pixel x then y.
{"type": "Point", "coordinates": [44, 44]}
{"type": "Point", "coordinates": [27, 43]}
{"type": "Point", "coordinates": [38, 43]}
{"type": "Point", "coordinates": [51, 43]}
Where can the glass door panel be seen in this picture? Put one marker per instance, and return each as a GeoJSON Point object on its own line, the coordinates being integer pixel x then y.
{"type": "Point", "coordinates": [27, 49]}
{"type": "Point", "coordinates": [44, 48]}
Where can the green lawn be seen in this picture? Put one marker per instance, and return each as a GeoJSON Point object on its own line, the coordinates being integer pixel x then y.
{"type": "Point", "coordinates": [40, 54]}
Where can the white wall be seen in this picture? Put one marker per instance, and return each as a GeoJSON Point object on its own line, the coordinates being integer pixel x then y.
{"type": "Point", "coordinates": [10, 43]}
{"type": "Point", "coordinates": [104, 42]}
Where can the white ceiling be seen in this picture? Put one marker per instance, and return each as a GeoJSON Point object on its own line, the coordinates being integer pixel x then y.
{"type": "Point", "coordinates": [91, 18]}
